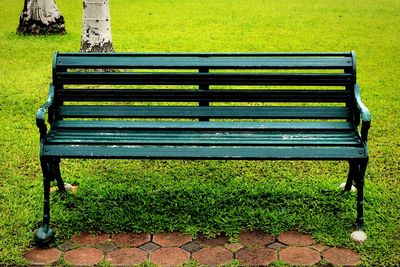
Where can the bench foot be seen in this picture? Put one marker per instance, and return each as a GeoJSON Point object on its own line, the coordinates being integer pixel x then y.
{"type": "Point", "coordinates": [358, 236]}
{"type": "Point", "coordinates": [44, 235]}
{"type": "Point", "coordinates": [352, 188]}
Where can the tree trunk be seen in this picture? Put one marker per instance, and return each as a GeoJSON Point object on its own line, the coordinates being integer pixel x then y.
{"type": "Point", "coordinates": [96, 29]}
{"type": "Point", "coordinates": [41, 17]}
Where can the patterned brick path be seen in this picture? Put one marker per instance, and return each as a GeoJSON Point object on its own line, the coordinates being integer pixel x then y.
{"type": "Point", "coordinates": [173, 249]}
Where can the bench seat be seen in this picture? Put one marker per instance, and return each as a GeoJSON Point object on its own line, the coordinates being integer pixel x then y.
{"type": "Point", "coordinates": [202, 140]}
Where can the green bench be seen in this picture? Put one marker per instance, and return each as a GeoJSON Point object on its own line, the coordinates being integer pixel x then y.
{"type": "Point", "coordinates": [222, 106]}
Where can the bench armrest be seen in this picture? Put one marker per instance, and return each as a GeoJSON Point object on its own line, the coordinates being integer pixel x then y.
{"type": "Point", "coordinates": [40, 114]}
{"type": "Point", "coordinates": [364, 113]}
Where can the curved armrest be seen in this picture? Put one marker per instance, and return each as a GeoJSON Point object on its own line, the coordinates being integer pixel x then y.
{"type": "Point", "coordinates": [40, 114]}
{"type": "Point", "coordinates": [364, 112]}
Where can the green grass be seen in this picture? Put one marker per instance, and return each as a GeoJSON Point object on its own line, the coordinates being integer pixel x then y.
{"type": "Point", "coordinates": [208, 196]}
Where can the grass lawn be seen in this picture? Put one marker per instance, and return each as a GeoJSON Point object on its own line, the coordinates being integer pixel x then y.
{"type": "Point", "coordinates": [207, 196]}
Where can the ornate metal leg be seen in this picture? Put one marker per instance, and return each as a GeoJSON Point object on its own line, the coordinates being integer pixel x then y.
{"type": "Point", "coordinates": [57, 175]}
{"type": "Point", "coordinates": [360, 193]}
{"type": "Point", "coordinates": [359, 235]}
{"type": "Point", "coordinates": [44, 235]}
{"type": "Point", "coordinates": [350, 178]}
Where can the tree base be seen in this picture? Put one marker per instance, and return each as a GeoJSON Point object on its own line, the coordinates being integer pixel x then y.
{"type": "Point", "coordinates": [86, 46]}
{"type": "Point", "coordinates": [37, 27]}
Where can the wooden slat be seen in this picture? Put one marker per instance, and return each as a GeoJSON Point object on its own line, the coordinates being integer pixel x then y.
{"type": "Point", "coordinates": [203, 142]}
{"type": "Point", "coordinates": [236, 95]}
{"type": "Point", "coordinates": [78, 111]}
{"type": "Point", "coordinates": [188, 78]}
{"type": "Point", "coordinates": [206, 138]}
{"type": "Point", "coordinates": [204, 126]}
{"type": "Point", "coordinates": [271, 135]}
{"type": "Point", "coordinates": [198, 152]}
{"type": "Point", "coordinates": [204, 54]}
{"type": "Point", "coordinates": [208, 62]}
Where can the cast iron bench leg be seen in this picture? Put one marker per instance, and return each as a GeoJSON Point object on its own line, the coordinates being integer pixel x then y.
{"type": "Point", "coordinates": [350, 177]}
{"type": "Point", "coordinates": [44, 235]}
{"type": "Point", "coordinates": [360, 193]}
{"type": "Point", "coordinates": [359, 235]}
{"type": "Point", "coordinates": [56, 174]}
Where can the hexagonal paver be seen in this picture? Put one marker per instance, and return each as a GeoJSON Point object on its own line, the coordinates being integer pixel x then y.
{"type": "Point", "coordinates": [171, 256]}
{"type": "Point", "coordinates": [299, 256]}
{"type": "Point", "coordinates": [342, 257]}
{"type": "Point", "coordinates": [234, 246]}
{"type": "Point", "coordinates": [39, 256]}
{"type": "Point", "coordinates": [174, 239]}
{"type": "Point", "coordinates": [294, 238]}
{"type": "Point", "coordinates": [213, 256]}
{"type": "Point", "coordinates": [130, 239]}
{"type": "Point", "coordinates": [149, 247]}
{"type": "Point", "coordinates": [84, 256]}
{"type": "Point", "coordinates": [212, 242]}
{"type": "Point", "coordinates": [256, 256]}
{"type": "Point", "coordinates": [87, 239]}
{"type": "Point", "coordinates": [255, 239]}
{"type": "Point", "coordinates": [108, 247]}
{"type": "Point", "coordinates": [126, 256]}
{"type": "Point", "coordinates": [192, 247]}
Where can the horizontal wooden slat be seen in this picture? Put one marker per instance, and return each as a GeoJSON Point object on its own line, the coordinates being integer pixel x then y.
{"type": "Point", "coordinates": [189, 78]}
{"type": "Point", "coordinates": [205, 138]}
{"type": "Point", "coordinates": [77, 111]}
{"type": "Point", "coordinates": [204, 54]}
{"type": "Point", "coordinates": [202, 142]}
{"type": "Point", "coordinates": [198, 152]}
{"type": "Point", "coordinates": [210, 62]}
{"type": "Point", "coordinates": [198, 142]}
{"type": "Point", "coordinates": [236, 95]}
{"type": "Point", "coordinates": [204, 126]}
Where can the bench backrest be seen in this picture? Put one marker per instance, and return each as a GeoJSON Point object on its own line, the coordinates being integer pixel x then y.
{"type": "Point", "coordinates": [205, 86]}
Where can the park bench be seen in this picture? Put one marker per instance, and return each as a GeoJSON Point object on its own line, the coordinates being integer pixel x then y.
{"type": "Point", "coordinates": [219, 106]}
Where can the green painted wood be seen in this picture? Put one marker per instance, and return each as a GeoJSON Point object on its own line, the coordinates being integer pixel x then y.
{"type": "Point", "coordinates": [204, 133]}
{"type": "Point", "coordinates": [188, 78]}
{"type": "Point", "coordinates": [213, 62]}
{"type": "Point", "coordinates": [204, 95]}
{"type": "Point", "coordinates": [204, 142]}
{"type": "Point", "coordinates": [204, 126]}
{"type": "Point", "coordinates": [286, 136]}
{"type": "Point", "coordinates": [80, 111]}
{"type": "Point", "coordinates": [106, 133]}
{"type": "Point", "coordinates": [198, 152]}
{"type": "Point", "coordinates": [216, 139]}
{"type": "Point", "coordinates": [60, 55]}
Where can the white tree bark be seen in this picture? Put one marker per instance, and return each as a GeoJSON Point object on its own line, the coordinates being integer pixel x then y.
{"type": "Point", "coordinates": [41, 17]}
{"type": "Point", "coordinates": [96, 26]}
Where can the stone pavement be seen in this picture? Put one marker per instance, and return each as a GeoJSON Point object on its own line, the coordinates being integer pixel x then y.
{"type": "Point", "coordinates": [254, 248]}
